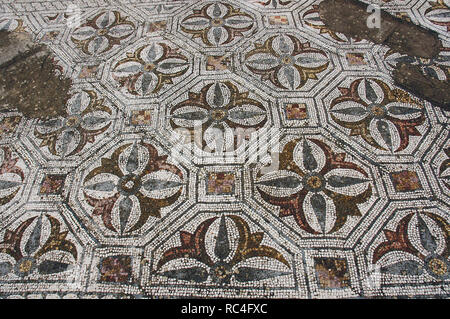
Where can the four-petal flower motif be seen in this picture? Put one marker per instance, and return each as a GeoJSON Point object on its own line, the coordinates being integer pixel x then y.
{"type": "Point", "coordinates": [316, 186]}
{"type": "Point", "coordinates": [219, 106]}
{"type": "Point", "coordinates": [384, 117]}
{"type": "Point", "coordinates": [36, 244]}
{"type": "Point", "coordinates": [420, 241]}
{"type": "Point", "coordinates": [131, 186]}
{"type": "Point", "coordinates": [149, 68]}
{"type": "Point", "coordinates": [286, 62]}
{"type": "Point", "coordinates": [86, 117]}
{"type": "Point", "coordinates": [217, 24]}
{"type": "Point", "coordinates": [99, 34]}
{"type": "Point", "coordinates": [225, 260]}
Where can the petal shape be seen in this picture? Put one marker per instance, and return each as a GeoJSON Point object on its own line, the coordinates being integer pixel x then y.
{"type": "Point", "coordinates": [151, 53]}
{"type": "Point", "coordinates": [105, 20]}
{"type": "Point", "coordinates": [127, 69]}
{"type": "Point", "coordinates": [132, 160]}
{"type": "Point", "coordinates": [310, 60]}
{"type": "Point", "coordinates": [404, 111]}
{"type": "Point", "coordinates": [125, 207]}
{"type": "Point", "coordinates": [67, 142]}
{"type": "Point", "coordinates": [217, 35]}
{"type": "Point", "coordinates": [289, 77]}
{"type": "Point", "coordinates": [189, 116]}
{"type": "Point", "coordinates": [426, 237]}
{"type": "Point", "coordinates": [196, 23]}
{"type": "Point", "coordinates": [217, 10]}
{"type": "Point", "coordinates": [247, 115]}
{"type": "Point", "coordinates": [161, 184]}
{"type": "Point", "coordinates": [349, 111]}
{"type": "Point", "coordinates": [283, 45]}
{"type": "Point", "coordinates": [95, 121]}
{"type": "Point", "coordinates": [319, 206]}
{"type": "Point", "coordinates": [239, 22]}
{"type": "Point", "coordinates": [370, 92]}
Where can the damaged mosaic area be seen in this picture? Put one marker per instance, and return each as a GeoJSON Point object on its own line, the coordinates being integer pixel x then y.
{"type": "Point", "coordinates": [102, 201]}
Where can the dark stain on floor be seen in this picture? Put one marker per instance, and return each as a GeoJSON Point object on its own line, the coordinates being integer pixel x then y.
{"type": "Point", "coordinates": [30, 80]}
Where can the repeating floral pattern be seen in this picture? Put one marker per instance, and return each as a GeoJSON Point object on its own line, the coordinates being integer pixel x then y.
{"type": "Point", "coordinates": [217, 24]}
{"type": "Point", "coordinates": [150, 68]}
{"type": "Point", "coordinates": [101, 33]}
{"type": "Point", "coordinates": [219, 106]}
{"type": "Point", "coordinates": [286, 62]}
{"type": "Point", "coordinates": [224, 263]}
{"type": "Point", "coordinates": [316, 186]}
{"type": "Point", "coordinates": [87, 117]}
{"type": "Point", "coordinates": [385, 118]}
{"type": "Point", "coordinates": [131, 186]}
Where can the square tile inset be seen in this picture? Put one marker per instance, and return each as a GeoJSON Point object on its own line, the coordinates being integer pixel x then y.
{"type": "Point", "coordinates": [332, 273]}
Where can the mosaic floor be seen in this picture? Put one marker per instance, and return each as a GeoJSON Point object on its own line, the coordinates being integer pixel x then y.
{"type": "Point", "coordinates": [343, 193]}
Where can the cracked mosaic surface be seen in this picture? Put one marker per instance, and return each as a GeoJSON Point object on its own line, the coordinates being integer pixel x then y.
{"type": "Point", "coordinates": [106, 201]}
